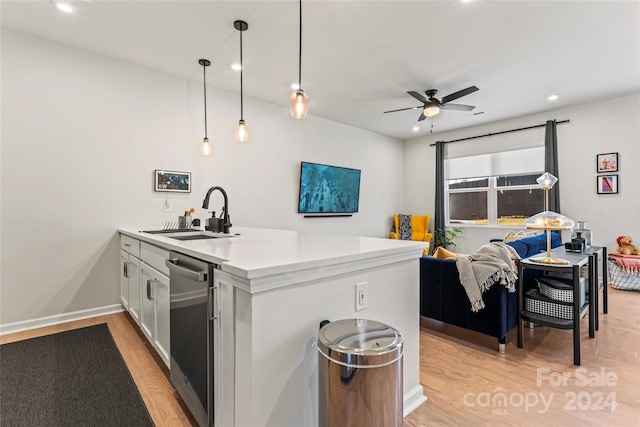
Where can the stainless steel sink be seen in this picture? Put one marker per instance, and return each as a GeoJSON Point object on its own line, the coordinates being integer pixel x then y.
{"type": "Point", "coordinates": [197, 236]}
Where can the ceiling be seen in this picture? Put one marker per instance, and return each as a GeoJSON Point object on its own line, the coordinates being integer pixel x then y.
{"type": "Point", "coordinates": [361, 57]}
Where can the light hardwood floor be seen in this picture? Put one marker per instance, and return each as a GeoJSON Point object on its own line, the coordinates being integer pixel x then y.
{"type": "Point", "coordinates": [463, 375]}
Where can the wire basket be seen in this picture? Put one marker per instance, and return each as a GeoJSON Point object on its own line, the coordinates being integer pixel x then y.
{"type": "Point", "coordinates": [620, 279]}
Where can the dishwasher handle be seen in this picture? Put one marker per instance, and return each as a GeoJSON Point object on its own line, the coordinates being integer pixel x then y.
{"type": "Point", "coordinates": [174, 268]}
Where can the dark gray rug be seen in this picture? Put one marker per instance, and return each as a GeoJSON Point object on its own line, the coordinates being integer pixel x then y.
{"type": "Point", "coordinates": [73, 378]}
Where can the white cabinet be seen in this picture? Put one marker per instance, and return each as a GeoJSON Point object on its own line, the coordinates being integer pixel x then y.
{"type": "Point", "coordinates": [144, 290]}
{"type": "Point", "coordinates": [130, 284]}
{"type": "Point", "coordinates": [154, 313]}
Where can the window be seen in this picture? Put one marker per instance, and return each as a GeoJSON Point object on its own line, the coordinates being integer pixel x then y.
{"type": "Point", "coordinates": [497, 200]}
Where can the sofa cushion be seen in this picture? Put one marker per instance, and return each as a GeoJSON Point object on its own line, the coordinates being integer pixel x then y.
{"type": "Point", "coordinates": [442, 253]}
{"type": "Point", "coordinates": [530, 246]}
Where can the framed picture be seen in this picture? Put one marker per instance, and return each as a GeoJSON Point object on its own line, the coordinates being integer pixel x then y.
{"type": "Point", "coordinates": [607, 184]}
{"type": "Point", "coordinates": [607, 162]}
{"type": "Point", "coordinates": [178, 182]}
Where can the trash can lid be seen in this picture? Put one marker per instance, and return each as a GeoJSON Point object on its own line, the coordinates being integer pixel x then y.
{"type": "Point", "coordinates": [359, 337]}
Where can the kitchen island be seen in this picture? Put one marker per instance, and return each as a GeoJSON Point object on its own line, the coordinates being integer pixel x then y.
{"type": "Point", "coordinates": [275, 287]}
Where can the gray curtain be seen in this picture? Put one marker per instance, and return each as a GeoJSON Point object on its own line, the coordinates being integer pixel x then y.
{"type": "Point", "coordinates": [551, 163]}
{"type": "Point", "coordinates": [439, 220]}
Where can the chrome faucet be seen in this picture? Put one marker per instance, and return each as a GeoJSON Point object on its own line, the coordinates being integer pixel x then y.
{"type": "Point", "coordinates": [205, 205]}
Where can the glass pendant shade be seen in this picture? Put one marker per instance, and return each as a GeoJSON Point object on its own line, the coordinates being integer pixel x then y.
{"type": "Point", "coordinates": [548, 220]}
{"type": "Point", "coordinates": [242, 131]}
{"type": "Point", "coordinates": [547, 181]}
{"type": "Point", "coordinates": [299, 104]}
{"type": "Point", "coordinates": [431, 110]}
{"type": "Point", "coordinates": [206, 148]}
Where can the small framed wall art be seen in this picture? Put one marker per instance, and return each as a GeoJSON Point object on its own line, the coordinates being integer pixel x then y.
{"type": "Point", "coordinates": [607, 184]}
{"type": "Point", "coordinates": [607, 163]}
{"type": "Point", "coordinates": [171, 181]}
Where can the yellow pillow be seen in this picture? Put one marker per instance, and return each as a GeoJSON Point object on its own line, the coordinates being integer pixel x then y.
{"type": "Point", "coordinates": [442, 253]}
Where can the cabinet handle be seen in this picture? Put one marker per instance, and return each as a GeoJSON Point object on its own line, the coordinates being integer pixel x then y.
{"type": "Point", "coordinates": [125, 269]}
{"type": "Point", "coordinates": [213, 306]}
{"type": "Point", "coordinates": [149, 297]}
{"type": "Point", "coordinates": [127, 244]}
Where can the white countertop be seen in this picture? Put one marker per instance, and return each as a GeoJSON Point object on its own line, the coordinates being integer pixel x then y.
{"type": "Point", "coordinates": [258, 253]}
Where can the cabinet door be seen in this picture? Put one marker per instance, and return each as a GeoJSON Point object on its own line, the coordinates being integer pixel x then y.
{"type": "Point", "coordinates": [147, 320]}
{"type": "Point", "coordinates": [134, 288]}
{"type": "Point", "coordinates": [124, 279]}
{"type": "Point", "coordinates": [162, 333]}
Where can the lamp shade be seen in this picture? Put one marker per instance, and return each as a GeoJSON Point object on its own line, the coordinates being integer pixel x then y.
{"type": "Point", "coordinates": [549, 220]}
{"type": "Point", "coordinates": [299, 104]}
{"type": "Point", "coordinates": [242, 131]}
{"type": "Point", "coordinates": [431, 110]}
{"type": "Point", "coordinates": [547, 181]}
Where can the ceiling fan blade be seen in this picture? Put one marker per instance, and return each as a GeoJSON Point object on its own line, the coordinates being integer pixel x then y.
{"type": "Point", "coordinates": [458, 107]}
{"type": "Point", "coordinates": [417, 96]}
{"type": "Point", "coordinates": [403, 109]}
{"type": "Point", "coordinates": [422, 116]}
{"type": "Point", "coordinates": [459, 94]}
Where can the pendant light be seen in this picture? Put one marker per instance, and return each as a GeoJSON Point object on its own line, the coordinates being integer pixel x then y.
{"type": "Point", "coordinates": [299, 100]}
{"type": "Point", "coordinates": [242, 130]}
{"type": "Point", "coordinates": [206, 147]}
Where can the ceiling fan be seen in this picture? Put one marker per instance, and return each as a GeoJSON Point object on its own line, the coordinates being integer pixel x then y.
{"type": "Point", "coordinates": [431, 105]}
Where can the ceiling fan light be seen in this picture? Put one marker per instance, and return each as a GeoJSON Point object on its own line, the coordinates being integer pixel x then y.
{"type": "Point", "coordinates": [299, 104]}
{"type": "Point", "coordinates": [431, 110]}
{"type": "Point", "coordinates": [242, 131]}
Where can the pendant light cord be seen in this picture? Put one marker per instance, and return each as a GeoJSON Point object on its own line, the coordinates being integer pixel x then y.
{"type": "Point", "coordinates": [241, 71]}
{"type": "Point", "coordinates": [300, 51]}
{"type": "Point", "coordinates": [204, 77]}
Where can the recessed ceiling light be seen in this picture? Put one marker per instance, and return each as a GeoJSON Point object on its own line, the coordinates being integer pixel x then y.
{"type": "Point", "coordinates": [295, 86]}
{"type": "Point", "coordinates": [415, 128]}
{"type": "Point", "coordinates": [553, 97]}
{"type": "Point", "coordinates": [65, 7]}
{"type": "Point", "coordinates": [236, 67]}
{"type": "Point", "coordinates": [467, 1]}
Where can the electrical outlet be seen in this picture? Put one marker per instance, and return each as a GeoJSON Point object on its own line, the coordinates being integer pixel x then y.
{"type": "Point", "coordinates": [168, 206]}
{"type": "Point", "coordinates": [361, 296]}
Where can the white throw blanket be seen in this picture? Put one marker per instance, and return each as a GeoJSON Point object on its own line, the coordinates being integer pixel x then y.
{"type": "Point", "coordinates": [494, 262]}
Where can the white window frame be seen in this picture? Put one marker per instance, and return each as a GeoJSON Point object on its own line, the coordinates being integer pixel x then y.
{"type": "Point", "coordinates": [492, 199]}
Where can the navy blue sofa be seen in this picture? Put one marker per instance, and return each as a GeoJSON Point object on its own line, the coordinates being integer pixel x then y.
{"type": "Point", "coordinates": [443, 298]}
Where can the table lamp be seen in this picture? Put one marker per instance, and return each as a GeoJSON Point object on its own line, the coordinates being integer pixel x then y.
{"type": "Point", "coordinates": [548, 220]}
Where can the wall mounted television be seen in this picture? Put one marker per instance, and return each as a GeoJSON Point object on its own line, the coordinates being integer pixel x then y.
{"type": "Point", "coordinates": [328, 189]}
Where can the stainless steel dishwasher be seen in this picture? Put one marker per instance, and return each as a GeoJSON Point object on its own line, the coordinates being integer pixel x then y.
{"type": "Point", "coordinates": [193, 316]}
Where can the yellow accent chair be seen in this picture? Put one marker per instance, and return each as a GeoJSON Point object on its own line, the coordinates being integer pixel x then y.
{"type": "Point", "coordinates": [419, 229]}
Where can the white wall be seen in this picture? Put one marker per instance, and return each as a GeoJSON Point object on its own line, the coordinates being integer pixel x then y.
{"type": "Point", "coordinates": [81, 136]}
{"type": "Point", "coordinates": [604, 127]}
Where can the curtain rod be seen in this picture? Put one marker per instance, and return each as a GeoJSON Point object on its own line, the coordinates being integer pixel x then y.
{"type": "Point", "coordinates": [499, 133]}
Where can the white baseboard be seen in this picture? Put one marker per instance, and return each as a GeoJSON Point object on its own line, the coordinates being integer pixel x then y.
{"type": "Point", "coordinates": [412, 400]}
{"type": "Point", "coordinates": [41, 322]}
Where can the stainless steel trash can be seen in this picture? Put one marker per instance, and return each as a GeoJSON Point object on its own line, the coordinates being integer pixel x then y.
{"type": "Point", "coordinates": [360, 374]}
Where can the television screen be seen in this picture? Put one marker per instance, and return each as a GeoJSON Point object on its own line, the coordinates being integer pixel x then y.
{"type": "Point", "coordinates": [328, 189]}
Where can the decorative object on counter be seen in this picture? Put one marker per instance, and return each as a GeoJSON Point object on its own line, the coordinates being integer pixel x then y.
{"type": "Point", "coordinates": [607, 184]}
{"type": "Point", "coordinates": [626, 247]}
{"type": "Point", "coordinates": [584, 232]}
{"type": "Point", "coordinates": [299, 100]}
{"type": "Point", "coordinates": [171, 181]}
{"type": "Point", "coordinates": [206, 147]}
{"type": "Point", "coordinates": [185, 221]}
{"type": "Point", "coordinates": [242, 130]}
{"type": "Point", "coordinates": [226, 219]}
{"type": "Point", "coordinates": [548, 220]}
{"type": "Point", "coordinates": [607, 163]}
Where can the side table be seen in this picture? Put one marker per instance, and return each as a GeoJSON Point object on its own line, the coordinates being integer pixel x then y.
{"type": "Point", "coordinates": [576, 260]}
